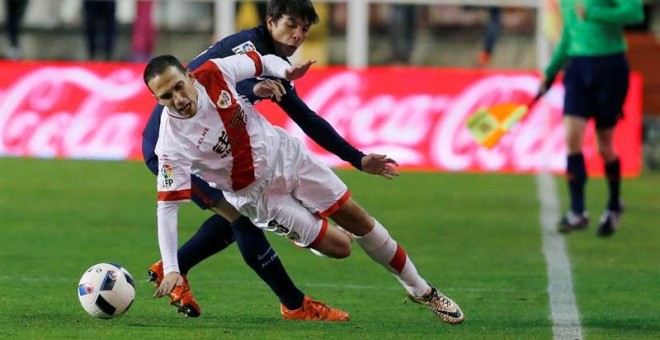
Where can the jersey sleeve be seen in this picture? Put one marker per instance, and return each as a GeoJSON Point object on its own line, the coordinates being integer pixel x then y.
{"type": "Point", "coordinates": [623, 12]}
{"type": "Point", "coordinates": [245, 88]}
{"type": "Point", "coordinates": [173, 180]}
{"type": "Point", "coordinates": [168, 238]}
{"type": "Point", "coordinates": [559, 56]}
{"type": "Point", "coordinates": [239, 67]}
{"type": "Point", "coordinates": [174, 186]}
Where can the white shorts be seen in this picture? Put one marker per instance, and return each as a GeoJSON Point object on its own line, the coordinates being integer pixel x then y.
{"type": "Point", "coordinates": [295, 199]}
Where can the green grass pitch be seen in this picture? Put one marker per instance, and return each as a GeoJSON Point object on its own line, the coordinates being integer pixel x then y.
{"type": "Point", "coordinates": [476, 237]}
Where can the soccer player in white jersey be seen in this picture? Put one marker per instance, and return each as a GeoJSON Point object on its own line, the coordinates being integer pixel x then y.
{"type": "Point", "coordinates": [268, 176]}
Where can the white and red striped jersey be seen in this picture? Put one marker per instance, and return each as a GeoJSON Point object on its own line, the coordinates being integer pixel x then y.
{"type": "Point", "coordinates": [227, 142]}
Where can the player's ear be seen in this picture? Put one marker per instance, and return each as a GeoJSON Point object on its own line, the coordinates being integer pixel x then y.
{"type": "Point", "coordinates": [270, 22]}
{"type": "Point", "coordinates": [190, 76]}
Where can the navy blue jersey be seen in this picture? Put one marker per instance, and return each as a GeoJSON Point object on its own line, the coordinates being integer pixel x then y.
{"type": "Point", "coordinates": [312, 124]}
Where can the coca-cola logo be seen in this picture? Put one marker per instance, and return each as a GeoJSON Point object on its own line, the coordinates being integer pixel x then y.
{"type": "Point", "coordinates": [427, 130]}
{"type": "Point", "coordinates": [416, 116]}
{"type": "Point", "coordinates": [71, 112]}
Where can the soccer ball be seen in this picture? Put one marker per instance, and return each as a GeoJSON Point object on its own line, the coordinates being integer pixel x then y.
{"type": "Point", "coordinates": [106, 290]}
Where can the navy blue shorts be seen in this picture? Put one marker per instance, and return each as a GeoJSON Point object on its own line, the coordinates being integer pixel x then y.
{"type": "Point", "coordinates": [596, 87]}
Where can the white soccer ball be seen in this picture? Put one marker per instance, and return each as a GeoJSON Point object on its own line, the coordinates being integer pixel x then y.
{"type": "Point", "coordinates": [106, 290]}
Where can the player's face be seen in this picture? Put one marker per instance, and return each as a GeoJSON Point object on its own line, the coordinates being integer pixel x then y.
{"type": "Point", "coordinates": [175, 90]}
{"type": "Point", "coordinates": [288, 34]}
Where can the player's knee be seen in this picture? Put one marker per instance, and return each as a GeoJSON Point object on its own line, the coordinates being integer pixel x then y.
{"type": "Point", "coordinates": [354, 218]}
{"type": "Point", "coordinates": [340, 252]}
{"type": "Point", "coordinates": [336, 245]}
{"type": "Point", "coordinates": [343, 251]}
{"type": "Point", "coordinates": [606, 152]}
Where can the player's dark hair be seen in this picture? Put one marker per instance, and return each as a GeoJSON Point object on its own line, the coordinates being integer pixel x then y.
{"type": "Point", "coordinates": [302, 9]}
{"type": "Point", "coordinates": [159, 64]}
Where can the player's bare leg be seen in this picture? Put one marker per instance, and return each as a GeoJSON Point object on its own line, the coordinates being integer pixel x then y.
{"type": "Point", "coordinates": [336, 243]}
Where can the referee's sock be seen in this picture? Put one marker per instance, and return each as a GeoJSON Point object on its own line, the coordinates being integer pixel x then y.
{"type": "Point", "coordinates": [613, 174]}
{"type": "Point", "coordinates": [576, 175]}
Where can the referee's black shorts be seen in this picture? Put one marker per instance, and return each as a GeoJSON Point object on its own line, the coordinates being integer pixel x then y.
{"type": "Point", "coordinates": [596, 87]}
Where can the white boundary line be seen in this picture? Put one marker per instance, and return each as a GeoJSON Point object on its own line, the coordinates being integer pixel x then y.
{"type": "Point", "coordinates": [563, 307]}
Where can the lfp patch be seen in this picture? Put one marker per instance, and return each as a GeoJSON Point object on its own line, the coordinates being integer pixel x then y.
{"type": "Point", "coordinates": [244, 48]}
{"type": "Point", "coordinates": [166, 176]}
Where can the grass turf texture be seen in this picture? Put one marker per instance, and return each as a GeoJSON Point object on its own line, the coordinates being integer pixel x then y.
{"type": "Point", "coordinates": [476, 237]}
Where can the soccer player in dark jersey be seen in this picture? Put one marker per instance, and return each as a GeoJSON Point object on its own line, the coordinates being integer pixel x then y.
{"type": "Point", "coordinates": [284, 30]}
{"type": "Point", "coordinates": [592, 47]}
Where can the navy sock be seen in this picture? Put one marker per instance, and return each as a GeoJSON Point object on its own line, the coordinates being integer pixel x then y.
{"type": "Point", "coordinates": [262, 258]}
{"type": "Point", "coordinates": [214, 235]}
{"type": "Point", "coordinates": [576, 174]}
{"type": "Point", "coordinates": [613, 174]}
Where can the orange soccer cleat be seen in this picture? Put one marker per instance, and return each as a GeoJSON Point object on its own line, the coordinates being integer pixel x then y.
{"type": "Point", "coordinates": [181, 297]}
{"type": "Point", "coordinates": [314, 311]}
{"type": "Point", "coordinates": [155, 273]}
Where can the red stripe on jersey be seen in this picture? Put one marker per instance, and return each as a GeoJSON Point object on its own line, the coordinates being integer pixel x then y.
{"type": "Point", "coordinates": [322, 232]}
{"type": "Point", "coordinates": [399, 259]}
{"type": "Point", "coordinates": [178, 195]}
{"type": "Point", "coordinates": [242, 171]}
{"type": "Point", "coordinates": [257, 63]}
{"type": "Point", "coordinates": [335, 207]}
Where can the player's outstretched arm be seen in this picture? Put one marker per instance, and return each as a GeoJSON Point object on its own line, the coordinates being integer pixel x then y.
{"type": "Point", "coordinates": [382, 165]}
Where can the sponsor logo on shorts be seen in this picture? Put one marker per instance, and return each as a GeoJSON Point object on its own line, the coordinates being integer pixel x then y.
{"type": "Point", "coordinates": [293, 236]}
{"type": "Point", "coordinates": [278, 228]}
{"type": "Point", "coordinates": [283, 231]}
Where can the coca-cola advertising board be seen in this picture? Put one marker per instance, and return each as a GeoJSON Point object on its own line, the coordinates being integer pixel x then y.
{"type": "Point", "coordinates": [414, 115]}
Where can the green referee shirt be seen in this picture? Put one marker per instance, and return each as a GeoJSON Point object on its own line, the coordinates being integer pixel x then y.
{"type": "Point", "coordinates": [600, 33]}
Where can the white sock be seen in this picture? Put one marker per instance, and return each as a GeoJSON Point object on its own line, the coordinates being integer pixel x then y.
{"type": "Point", "coordinates": [383, 249]}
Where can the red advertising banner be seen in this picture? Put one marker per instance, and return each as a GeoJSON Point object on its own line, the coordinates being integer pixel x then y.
{"type": "Point", "coordinates": [414, 115]}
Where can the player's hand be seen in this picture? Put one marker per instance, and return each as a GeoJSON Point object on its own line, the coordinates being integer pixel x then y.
{"type": "Point", "coordinates": [269, 88]}
{"type": "Point", "coordinates": [376, 164]}
{"type": "Point", "coordinates": [167, 285]}
{"type": "Point", "coordinates": [296, 71]}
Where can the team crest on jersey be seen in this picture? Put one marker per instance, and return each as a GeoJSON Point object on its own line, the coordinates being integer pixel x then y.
{"type": "Point", "coordinates": [224, 101]}
{"type": "Point", "coordinates": [166, 177]}
{"type": "Point", "coordinates": [244, 48]}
